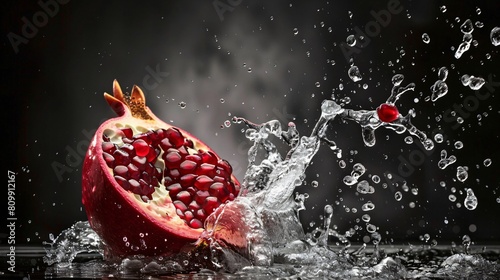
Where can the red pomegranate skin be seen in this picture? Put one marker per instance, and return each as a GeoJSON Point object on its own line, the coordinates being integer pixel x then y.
{"type": "Point", "coordinates": [127, 225]}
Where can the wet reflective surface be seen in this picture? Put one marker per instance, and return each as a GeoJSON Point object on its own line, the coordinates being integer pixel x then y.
{"type": "Point", "coordinates": [388, 262]}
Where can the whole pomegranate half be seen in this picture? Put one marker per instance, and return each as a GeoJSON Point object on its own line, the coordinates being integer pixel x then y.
{"type": "Point", "coordinates": [147, 186]}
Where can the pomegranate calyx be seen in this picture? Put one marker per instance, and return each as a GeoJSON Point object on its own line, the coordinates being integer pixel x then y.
{"type": "Point", "coordinates": [128, 104]}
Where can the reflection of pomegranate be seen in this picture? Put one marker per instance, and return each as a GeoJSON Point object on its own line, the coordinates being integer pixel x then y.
{"type": "Point", "coordinates": [387, 113]}
{"type": "Point", "coordinates": [147, 186]}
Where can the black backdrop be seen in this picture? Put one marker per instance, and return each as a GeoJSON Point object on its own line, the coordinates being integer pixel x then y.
{"type": "Point", "coordinates": [58, 60]}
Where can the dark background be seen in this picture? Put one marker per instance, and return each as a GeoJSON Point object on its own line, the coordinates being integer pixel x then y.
{"type": "Point", "coordinates": [52, 96]}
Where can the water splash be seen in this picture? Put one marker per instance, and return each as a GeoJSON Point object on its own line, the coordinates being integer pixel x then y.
{"type": "Point", "coordinates": [79, 238]}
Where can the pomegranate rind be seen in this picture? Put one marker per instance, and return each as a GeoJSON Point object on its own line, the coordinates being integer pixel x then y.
{"type": "Point", "coordinates": [127, 225]}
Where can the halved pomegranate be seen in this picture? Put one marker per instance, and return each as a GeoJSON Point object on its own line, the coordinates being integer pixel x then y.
{"type": "Point", "coordinates": [147, 186]}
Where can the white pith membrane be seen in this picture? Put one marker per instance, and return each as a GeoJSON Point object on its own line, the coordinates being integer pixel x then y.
{"type": "Point", "coordinates": [161, 203]}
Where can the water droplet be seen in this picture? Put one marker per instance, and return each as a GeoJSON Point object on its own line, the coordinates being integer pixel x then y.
{"type": "Point", "coordinates": [295, 31]}
{"type": "Point", "coordinates": [452, 198]}
{"type": "Point", "coordinates": [351, 40]}
{"type": "Point", "coordinates": [475, 83]}
{"type": "Point", "coordinates": [366, 218]}
{"type": "Point", "coordinates": [495, 36]}
{"type": "Point", "coordinates": [371, 228]}
{"type": "Point", "coordinates": [408, 140]}
{"type": "Point", "coordinates": [438, 138]}
{"type": "Point", "coordinates": [314, 184]}
{"type": "Point", "coordinates": [227, 123]}
{"type": "Point", "coordinates": [364, 187]}
{"type": "Point", "coordinates": [467, 27]}
{"type": "Point", "coordinates": [376, 179]}
{"type": "Point", "coordinates": [317, 84]}
{"type": "Point", "coordinates": [459, 145]}
{"type": "Point", "coordinates": [222, 100]}
{"type": "Point", "coordinates": [462, 174]}
{"type": "Point", "coordinates": [398, 196]}
{"type": "Point", "coordinates": [425, 38]}
{"type": "Point", "coordinates": [478, 10]}
{"type": "Point", "coordinates": [442, 9]}
{"type": "Point", "coordinates": [369, 206]}
{"type": "Point", "coordinates": [439, 89]}
{"type": "Point", "coordinates": [182, 104]}
{"type": "Point", "coordinates": [470, 201]}
{"type": "Point", "coordinates": [354, 74]}
{"type": "Point", "coordinates": [349, 180]}
{"type": "Point", "coordinates": [487, 162]}
{"type": "Point", "coordinates": [342, 163]}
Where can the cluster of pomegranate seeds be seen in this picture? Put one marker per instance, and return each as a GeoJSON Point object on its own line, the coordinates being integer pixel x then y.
{"type": "Point", "coordinates": [197, 181]}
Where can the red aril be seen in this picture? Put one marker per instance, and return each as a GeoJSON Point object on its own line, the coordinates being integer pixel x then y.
{"type": "Point", "coordinates": [147, 186]}
{"type": "Point", "coordinates": [387, 113]}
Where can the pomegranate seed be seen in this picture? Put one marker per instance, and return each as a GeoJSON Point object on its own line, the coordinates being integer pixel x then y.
{"type": "Point", "coordinates": [193, 206]}
{"type": "Point", "coordinates": [135, 186]}
{"type": "Point", "coordinates": [121, 170]}
{"type": "Point", "coordinates": [225, 165]}
{"type": "Point", "coordinates": [187, 166]}
{"type": "Point", "coordinates": [149, 168]}
{"type": "Point", "coordinates": [141, 147]}
{"type": "Point", "coordinates": [165, 144]}
{"type": "Point", "coordinates": [174, 174]}
{"type": "Point", "coordinates": [172, 158]}
{"type": "Point", "coordinates": [195, 223]}
{"type": "Point", "coordinates": [128, 132]}
{"type": "Point", "coordinates": [184, 196]}
{"type": "Point", "coordinates": [217, 189]}
{"type": "Point", "coordinates": [129, 149]}
{"type": "Point", "coordinates": [108, 147]}
{"type": "Point", "coordinates": [134, 171]}
{"type": "Point", "coordinates": [180, 205]}
{"type": "Point", "coordinates": [127, 140]}
{"type": "Point", "coordinates": [180, 214]}
{"type": "Point", "coordinates": [201, 197]}
{"type": "Point", "coordinates": [203, 182]}
{"type": "Point", "coordinates": [152, 155]}
{"type": "Point", "coordinates": [146, 177]}
{"type": "Point", "coordinates": [207, 169]}
{"type": "Point", "coordinates": [200, 214]}
{"type": "Point", "coordinates": [146, 137]}
{"type": "Point", "coordinates": [208, 157]}
{"type": "Point", "coordinates": [122, 182]}
{"type": "Point", "coordinates": [211, 203]}
{"type": "Point", "coordinates": [194, 158]}
{"type": "Point", "coordinates": [192, 191]}
{"type": "Point", "coordinates": [175, 137]}
{"type": "Point", "coordinates": [187, 180]}
{"type": "Point", "coordinates": [105, 138]}
{"type": "Point", "coordinates": [121, 157]}
{"type": "Point", "coordinates": [174, 189]}
{"type": "Point", "coordinates": [110, 160]}
{"type": "Point", "coordinates": [188, 143]}
{"type": "Point", "coordinates": [188, 216]}
{"type": "Point", "coordinates": [155, 182]}
{"type": "Point", "coordinates": [387, 113]}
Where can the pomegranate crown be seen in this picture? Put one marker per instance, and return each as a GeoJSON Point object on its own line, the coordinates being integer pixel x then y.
{"type": "Point", "coordinates": [129, 103]}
